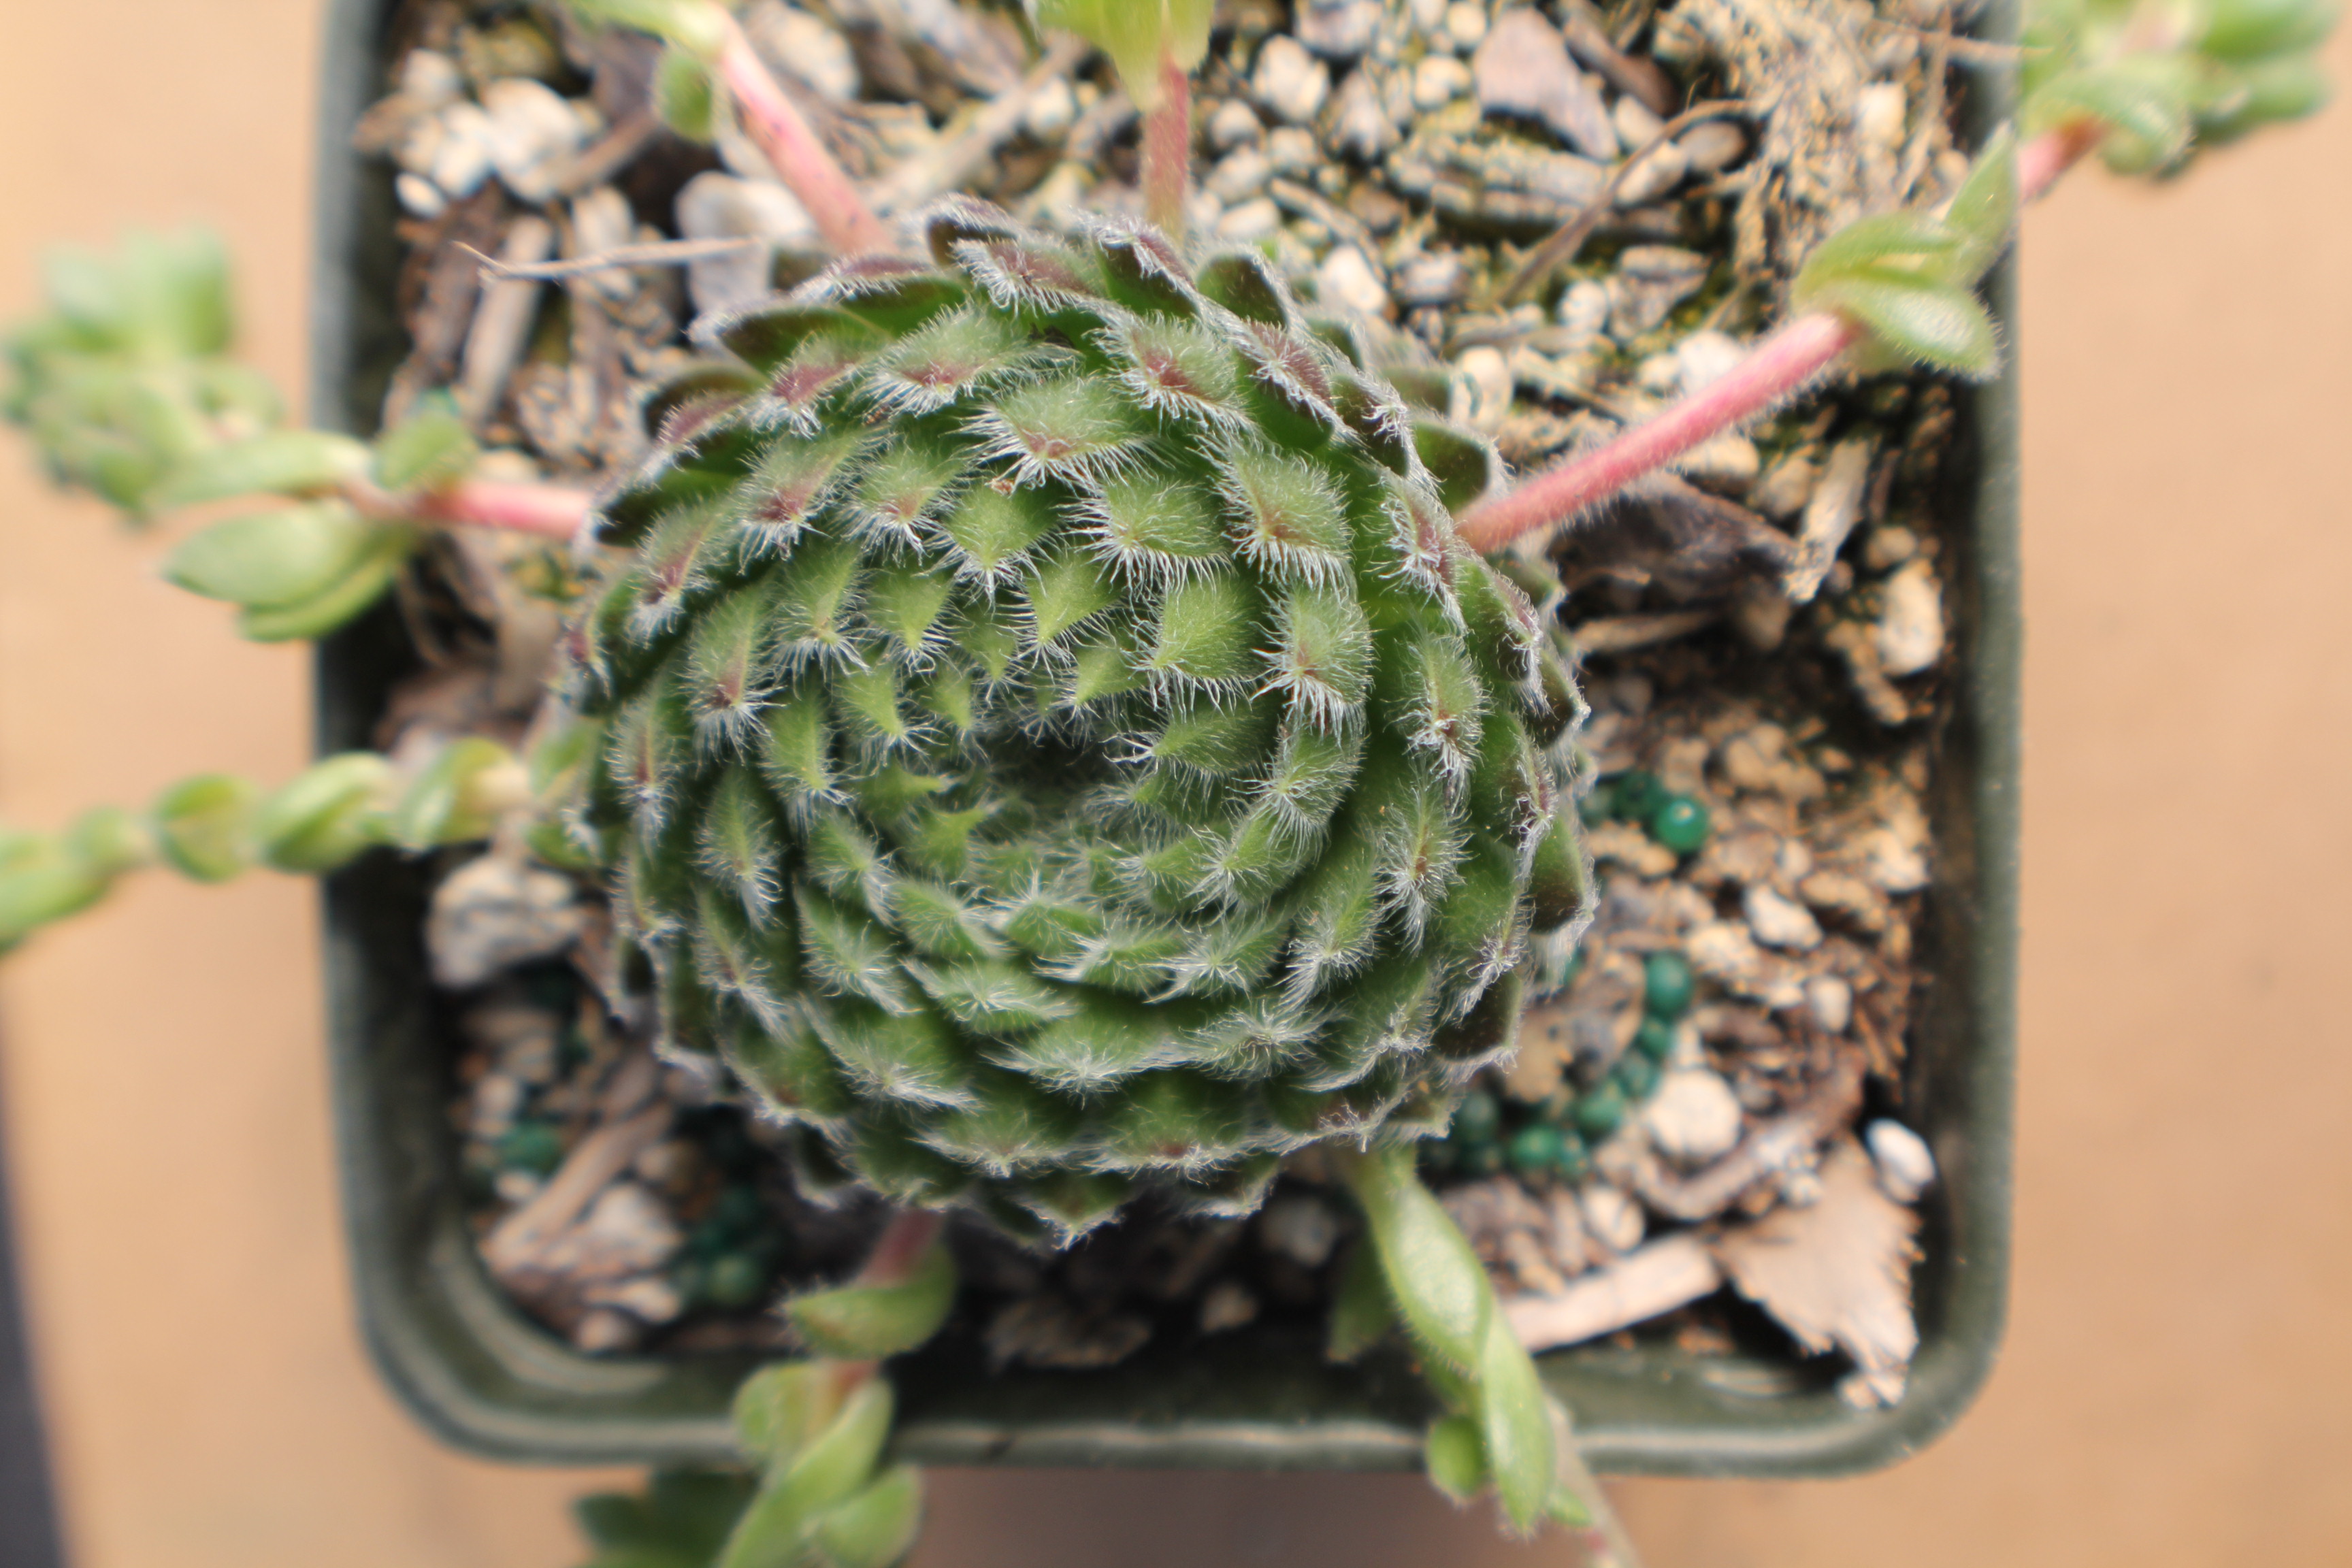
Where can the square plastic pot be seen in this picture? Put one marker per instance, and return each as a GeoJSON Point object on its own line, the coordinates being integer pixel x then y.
{"type": "Point", "coordinates": [477, 1372]}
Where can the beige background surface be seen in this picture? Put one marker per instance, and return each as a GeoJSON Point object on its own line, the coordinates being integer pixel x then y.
{"type": "Point", "coordinates": [2177, 1388]}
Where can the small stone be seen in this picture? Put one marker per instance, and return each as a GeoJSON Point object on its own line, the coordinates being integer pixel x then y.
{"type": "Point", "coordinates": [1888, 547]}
{"type": "Point", "coordinates": [1227, 1305]}
{"type": "Point", "coordinates": [1906, 1167]}
{"type": "Point", "coordinates": [516, 1187]}
{"type": "Point", "coordinates": [716, 205]}
{"type": "Point", "coordinates": [1438, 80]}
{"type": "Point", "coordinates": [1483, 389]}
{"type": "Point", "coordinates": [430, 77]}
{"type": "Point", "coordinates": [1293, 151]}
{"type": "Point", "coordinates": [1830, 1000]}
{"type": "Point", "coordinates": [491, 1107]}
{"type": "Point", "coordinates": [1879, 114]}
{"type": "Point", "coordinates": [1239, 176]}
{"type": "Point", "coordinates": [1349, 277]}
{"type": "Point", "coordinates": [1249, 222]}
{"type": "Point", "coordinates": [1234, 124]}
{"type": "Point", "coordinates": [1712, 146]}
{"type": "Point", "coordinates": [810, 49]}
{"type": "Point", "coordinates": [1910, 632]}
{"type": "Point", "coordinates": [648, 1298]}
{"type": "Point", "coordinates": [462, 157]}
{"type": "Point", "coordinates": [1655, 173]}
{"type": "Point", "coordinates": [1044, 1331]}
{"type": "Point", "coordinates": [625, 1231]}
{"type": "Point", "coordinates": [1793, 862]}
{"type": "Point", "coordinates": [1428, 16]}
{"type": "Point", "coordinates": [1779, 921]}
{"type": "Point", "coordinates": [1431, 279]}
{"type": "Point", "coordinates": [1054, 109]}
{"type": "Point", "coordinates": [1649, 282]}
{"type": "Point", "coordinates": [1705, 358]}
{"type": "Point", "coordinates": [1301, 1228]}
{"type": "Point", "coordinates": [1465, 25]}
{"type": "Point", "coordinates": [1290, 81]}
{"type": "Point", "coordinates": [1726, 463]}
{"type": "Point", "coordinates": [1630, 847]}
{"type": "Point", "coordinates": [1636, 126]}
{"type": "Point", "coordinates": [605, 1330]}
{"type": "Point", "coordinates": [1788, 484]}
{"type": "Point", "coordinates": [1612, 1217]}
{"type": "Point", "coordinates": [1584, 308]}
{"type": "Point", "coordinates": [1694, 1118]}
{"type": "Point", "coordinates": [1336, 29]}
{"type": "Point", "coordinates": [419, 196]}
{"type": "Point", "coordinates": [531, 128]}
{"type": "Point", "coordinates": [1759, 613]}
{"type": "Point", "coordinates": [1522, 69]}
{"type": "Point", "coordinates": [1359, 126]}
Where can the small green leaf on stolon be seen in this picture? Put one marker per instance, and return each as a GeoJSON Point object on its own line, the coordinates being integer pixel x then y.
{"type": "Point", "coordinates": [696, 25]}
{"type": "Point", "coordinates": [272, 558]}
{"type": "Point", "coordinates": [1362, 1313]}
{"type": "Point", "coordinates": [2256, 30]}
{"type": "Point", "coordinates": [2142, 99]}
{"type": "Point", "coordinates": [284, 462]}
{"type": "Point", "coordinates": [326, 816]}
{"type": "Point", "coordinates": [43, 881]}
{"type": "Point", "coordinates": [1939, 325]}
{"type": "Point", "coordinates": [2266, 92]}
{"type": "Point", "coordinates": [110, 840]}
{"type": "Point", "coordinates": [876, 1527]}
{"type": "Point", "coordinates": [1911, 243]}
{"type": "Point", "coordinates": [778, 1408]}
{"type": "Point", "coordinates": [204, 826]}
{"type": "Point", "coordinates": [340, 601]}
{"type": "Point", "coordinates": [1984, 209]}
{"type": "Point", "coordinates": [1456, 1458]}
{"type": "Point", "coordinates": [1438, 1285]}
{"type": "Point", "coordinates": [431, 449]}
{"type": "Point", "coordinates": [868, 1322]}
{"type": "Point", "coordinates": [458, 797]}
{"type": "Point", "coordinates": [1137, 34]}
{"type": "Point", "coordinates": [165, 295]}
{"type": "Point", "coordinates": [686, 97]}
{"type": "Point", "coordinates": [1514, 1424]}
{"type": "Point", "coordinates": [834, 1463]}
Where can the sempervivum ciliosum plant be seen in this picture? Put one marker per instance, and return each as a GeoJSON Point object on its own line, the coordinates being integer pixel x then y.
{"type": "Point", "coordinates": [1053, 742]}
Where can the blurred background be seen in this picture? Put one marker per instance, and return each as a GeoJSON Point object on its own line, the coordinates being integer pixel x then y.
{"type": "Point", "coordinates": [2177, 1382]}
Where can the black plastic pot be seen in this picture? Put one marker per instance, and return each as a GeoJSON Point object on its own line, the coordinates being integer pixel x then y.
{"type": "Point", "coordinates": [477, 1372]}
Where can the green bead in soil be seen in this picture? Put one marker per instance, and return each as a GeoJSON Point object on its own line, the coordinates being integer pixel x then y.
{"type": "Point", "coordinates": [1479, 1159]}
{"type": "Point", "coordinates": [1636, 1073]}
{"type": "Point", "coordinates": [533, 1146]}
{"type": "Point", "coordinates": [1681, 825]}
{"type": "Point", "coordinates": [1575, 1158]}
{"type": "Point", "coordinates": [1667, 984]}
{"type": "Point", "coordinates": [734, 1280]}
{"type": "Point", "coordinates": [1478, 1118]}
{"type": "Point", "coordinates": [1599, 1112]}
{"type": "Point", "coordinates": [1534, 1150]}
{"type": "Point", "coordinates": [1636, 795]}
{"type": "Point", "coordinates": [1655, 1039]}
{"type": "Point", "coordinates": [1599, 804]}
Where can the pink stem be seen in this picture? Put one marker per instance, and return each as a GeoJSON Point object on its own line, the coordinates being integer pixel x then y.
{"type": "Point", "coordinates": [1168, 150]}
{"type": "Point", "coordinates": [1781, 367]}
{"type": "Point", "coordinates": [550, 510]}
{"type": "Point", "coordinates": [1781, 364]}
{"type": "Point", "coordinates": [840, 212]}
{"type": "Point", "coordinates": [901, 1245]}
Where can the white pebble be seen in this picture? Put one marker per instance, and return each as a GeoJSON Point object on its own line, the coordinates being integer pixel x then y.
{"type": "Point", "coordinates": [430, 77]}
{"type": "Point", "coordinates": [1239, 175]}
{"type": "Point", "coordinates": [1428, 15]}
{"type": "Point", "coordinates": [1654, 172]}
{"type": "Point", "coordinates": [1636, 126]}
{"type": "Point", "coordinates": [1227, 1305]}
{"type": "Point", "coordinates": [1465, 25]}
{"type": "Point", "coordinates": [648, 1298]}
{"type": "Point", "coordinates": [1481, 389]}
{"type": "Point", "coordinates": [1906, 1168]}
{"type": "Point", "coordinates": [1301, 1228]}
{"type": "Point", "coordinates": [604, 1330]}
{"type": "Point", "coordinates": [1707, 357]}
{"type": "Point", "coordinates": [715, 206]}
{"type": "Point", "coordinates": [1831, 1001]}
{"type": "Point", "coordinates": [462, 158]}
{"type": "Point", "coordinates": [1794, 860]}
{"type": "Point", "coordinates": [494, 1102]}
{"type": "Point", "coordinates": [420, 196]}
{"type": "Point", "coordinates": [1293, 151]}
{"type": "Point", "coordinates": [1438, 80]}
{"type": "Point", "coordinates": [531, 127]}
{"type": "Point", "coordinates": [1348, 278]}
{"type": "Point", "coordinates": [1891, 865]}
{"type": "Point", "coordinates": [1234, 124]}
{"type": "Point", "coordinates": [1694, 1116]}
{"type": "Point", "coordinates": [1290, 81]}
{"type": "Point", "coordinates": [1725, 462]}
{"type": "Point", "coordinates": [1051, 112]}
{"type": "Point", "coordinates": [1712, 146]}
{"type": "Point", "coordinates": [1878, 113]}
{"type": "Point", "coordinates": [1251, 220]}
{"type": "Point", "coordinates": [1612, 1217]}
{"type": "Point", "coordinates": [516, 1186]}
{"type": "Point", "coordinates": [1584, 309]}
{"type": "Point", "coordinates": [1778, 922]}
{"type": "Point", "coordinates": [1910, 632]}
